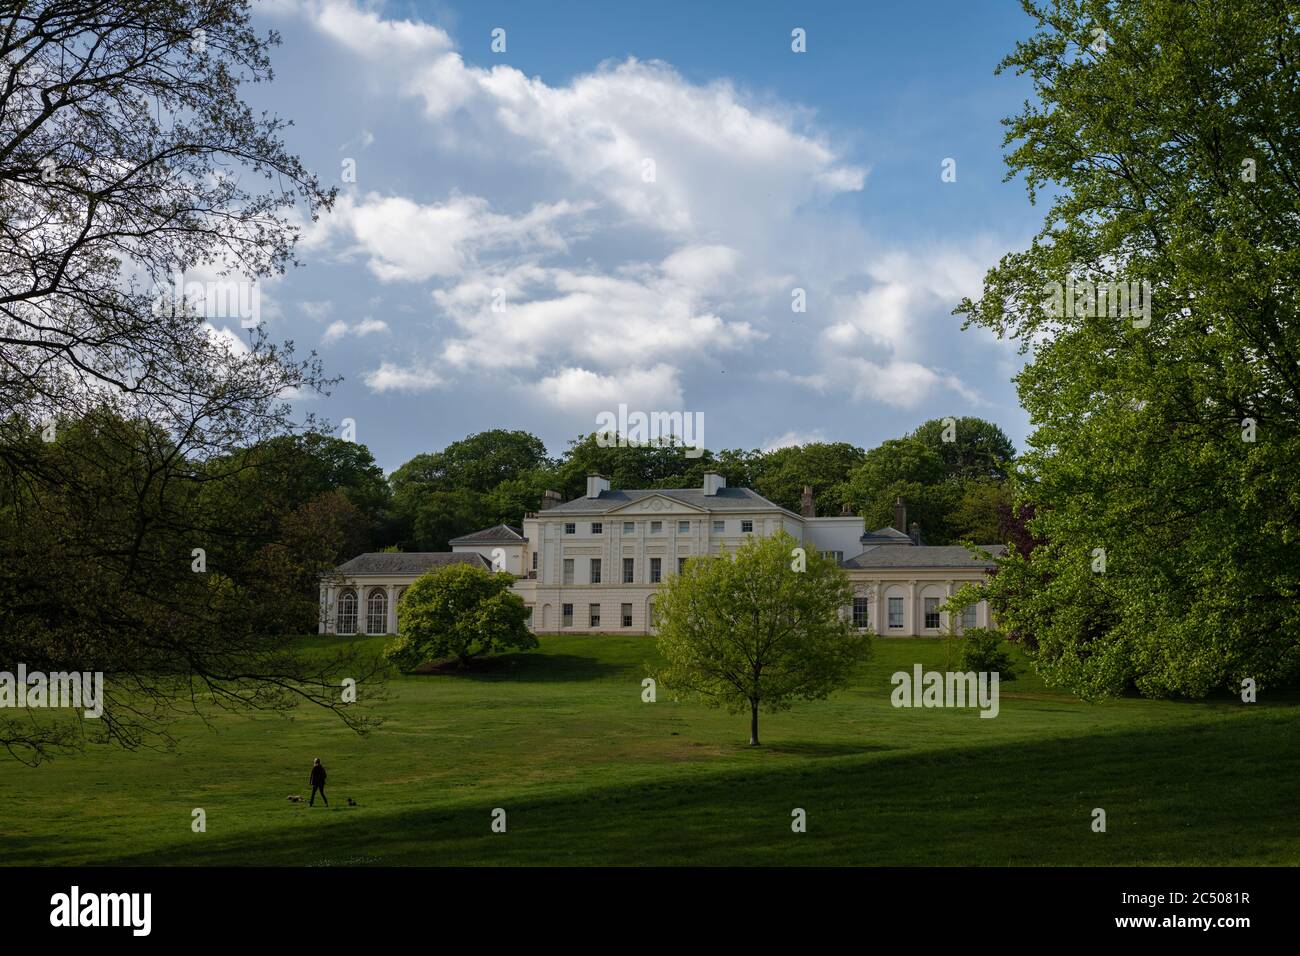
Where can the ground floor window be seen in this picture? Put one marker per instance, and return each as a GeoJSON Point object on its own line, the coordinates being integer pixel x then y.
{"type": "Point", "coordinates": [627, 615]}
{"type": "Point", "coordinates": [931, 612]}
{"type": "Point", "coordinates": [377, 612]}
{"type": "Point", "coordinates": [567, 616]}
{"type": "Point", "coordinates": [860, 611]}
{"type": "Point", "coordinates": [347, 612]}
{"type": "Point", "coordinates": [968, 617]}
{"type": "Point", "coordinates": [593, 613]}
{"type": "Point", "coordinates": [896, 612]}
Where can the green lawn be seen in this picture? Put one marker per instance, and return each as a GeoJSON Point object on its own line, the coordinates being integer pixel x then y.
{"type": "Point", "coordinates": [588, 774]}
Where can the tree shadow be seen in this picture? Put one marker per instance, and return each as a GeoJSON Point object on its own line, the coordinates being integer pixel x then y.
{"type": "Point", "coordinates": [527, 668]}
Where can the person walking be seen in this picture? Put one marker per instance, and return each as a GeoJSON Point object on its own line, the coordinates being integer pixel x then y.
{"type": "Point", "coordinates": [317, 781]}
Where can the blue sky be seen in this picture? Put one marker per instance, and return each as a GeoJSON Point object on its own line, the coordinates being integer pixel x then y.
{"type": "Point", "coordinates": [619, 207]}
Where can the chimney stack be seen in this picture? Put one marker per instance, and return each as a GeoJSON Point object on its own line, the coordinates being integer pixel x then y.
{"type": "Point", "coordinates": [549, 500]}
{"type": "Point", "coordinates": [915, 534]}
{"type": "Point", "coordinates": [596, 484]}
{"type": "Point", "coordinates": [807, 506]}
{"type": "Point", "coordinates": [713, 483]}
{"type": "Point", "coordinates": [900, 515]}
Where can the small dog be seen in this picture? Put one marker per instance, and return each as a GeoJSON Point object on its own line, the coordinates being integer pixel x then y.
{"type": "Point", "coordinates": [351, 802]}
{"type": "Point", "coordinates": [295, 799]}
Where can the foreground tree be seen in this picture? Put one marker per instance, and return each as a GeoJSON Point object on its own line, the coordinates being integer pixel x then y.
{"type": "Point", "coordinates": [752, 630]}
{"type": "Point", "coordinates": [127, 158]}
{"type": "Point", "coordinates": [459, 611]}
{"type": "Point", "coordinates": [1167, 436]}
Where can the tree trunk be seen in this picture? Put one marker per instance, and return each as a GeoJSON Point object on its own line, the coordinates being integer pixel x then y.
{"type": "Point", "coordinates": [753, 725]}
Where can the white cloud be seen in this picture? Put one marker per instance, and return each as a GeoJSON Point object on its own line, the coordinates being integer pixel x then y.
{"type": "Point", "coordinates": [408, 241]}
{"type": "Point", "coordinates": [367, 326]}
{"type": "Point", "coordinates": [714, 151]}
{"type": "Point", "coordinates": [698, 261]}
{"type": "Point", "coordinates": [792, 439]}
{"type": "Point", "coordinates": [317, 310]}
{"type": "Point", "coordinates": [393, 378]}
{"type": "Point", "coordinates": [582, 390]}
{"type": "Point", "coordinates": [609, 321]}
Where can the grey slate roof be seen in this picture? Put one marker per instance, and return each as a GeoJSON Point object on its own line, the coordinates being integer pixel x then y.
{"type": "Point", "coordinates": [408, 562]}
{"type": "Point", "coordinates": [922, 556]}
{"type": "Point", "coordinates": [497, 534]}
{"type": "Point", "coordinates": [727, 499]}
{"type": "Point", "coordinates": [886, 536]}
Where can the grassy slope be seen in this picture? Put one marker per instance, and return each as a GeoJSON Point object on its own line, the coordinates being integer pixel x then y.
{"type": "Point", "coordinates": [590, 774]}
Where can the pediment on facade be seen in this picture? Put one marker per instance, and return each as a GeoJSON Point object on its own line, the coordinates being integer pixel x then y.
{"type": "Point", "coordinates": [654, 505]}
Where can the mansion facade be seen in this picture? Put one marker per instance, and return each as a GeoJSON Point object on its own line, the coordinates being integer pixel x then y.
{"type": "Point", "coordinates": [594, 564]}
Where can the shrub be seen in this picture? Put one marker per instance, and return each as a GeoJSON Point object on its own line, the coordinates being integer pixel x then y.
{"type": "Point", "coordinates": [985, 649]}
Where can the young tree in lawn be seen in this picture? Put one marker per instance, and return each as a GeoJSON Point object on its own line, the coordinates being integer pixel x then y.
{"type": "Point", "coordinates": [459, 611]}
{"type": "Point", "coordinates": [750, 630]}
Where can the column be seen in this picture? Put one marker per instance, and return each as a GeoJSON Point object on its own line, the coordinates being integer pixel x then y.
{"type": "Point", "coordinates": [946, 618]}
{"type": "Point", "coordinates": [392, 609]}
{"type": "Point", "coordinates": [326, 595]}
{"type": "Point", "coordinates": [914, 629]}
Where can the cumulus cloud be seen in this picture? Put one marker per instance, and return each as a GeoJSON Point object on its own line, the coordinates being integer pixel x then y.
{"type": "Point", "coordinates": [711, 152]}
{"type": "Point", "coordinates": [394, 378]}
{"type": "Point", "coordinates": [793, 439]}
{"type": "Point", "coordinates": [367, 326]}
{"type": "Point", "coordinates": [582, 390]}
{"type": "Point", "coordinates": [518, 318]}
{"type": "Point", "coordinates": [404, 240]}
{"type": "Point", "coordinates": [705, 205]}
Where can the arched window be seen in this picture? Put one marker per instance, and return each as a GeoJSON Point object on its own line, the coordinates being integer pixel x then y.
{"type": "Point", "coordinates": [346, 616]}
{"type": "Point", "coordinates": [377, 611]}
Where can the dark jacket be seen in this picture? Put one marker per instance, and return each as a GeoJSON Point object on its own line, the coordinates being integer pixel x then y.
{"type": "Point", "coordinates": [317, 778]}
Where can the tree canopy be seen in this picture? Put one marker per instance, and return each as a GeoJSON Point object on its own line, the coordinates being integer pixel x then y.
{"type": "Point", "coordinates": [1161, 468]}
{"type": "Point", "coordinates": [458, 611]}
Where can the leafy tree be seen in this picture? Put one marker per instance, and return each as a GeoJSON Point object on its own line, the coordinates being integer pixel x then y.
{"type": "Point", "coordinates": [656, 464]}
{"type": "Point", "coordinates": [1167, 439]}
{"type": "Point", "coordinates": [904, 468]}
{"type": "Point", "coordinates": [126, 148]}
{"type": "Point", "coordinates": [458, 611]}
{"type": "Point", "coordinates": [978, 514]}
{"type": "Point", "coordinates": [978, 450]}
{"type": "Point", "coordinates": [479, 462]}
{"type": "Point", "coordinates": [488, 478]}
{"type": "Point", "coordinates": [822, 466]}
{"type": "Point", "coordinates": [747, 631]}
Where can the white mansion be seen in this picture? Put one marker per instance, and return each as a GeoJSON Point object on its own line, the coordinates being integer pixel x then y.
{"type": "Point", "coordinates": [595, 563]}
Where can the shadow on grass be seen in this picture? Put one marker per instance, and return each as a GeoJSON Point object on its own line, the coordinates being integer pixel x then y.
{"type": "Point", "coordinates": [1223, 794]}
{"type": "Point", "coordinates": [527, 667]}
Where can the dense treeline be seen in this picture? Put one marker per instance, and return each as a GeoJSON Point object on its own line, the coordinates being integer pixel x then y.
{"type": "Point", "coordinates": [953, 487]}
{"type": "Point", "coordinates": [264, 521]}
